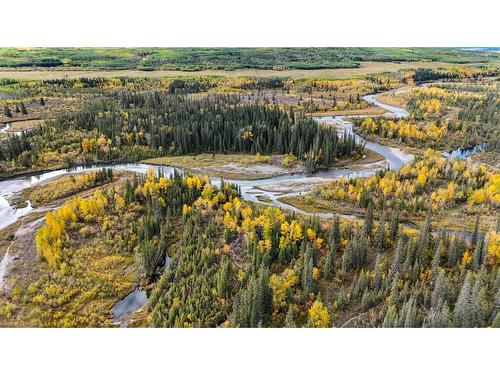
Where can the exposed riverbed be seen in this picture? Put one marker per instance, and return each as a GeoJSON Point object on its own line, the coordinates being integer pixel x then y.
{"type": "Point", "coordinates": [271, 189]}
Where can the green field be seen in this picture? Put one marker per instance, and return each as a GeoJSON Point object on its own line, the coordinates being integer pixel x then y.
{"type": "Point", "coordinates": [196, 59]}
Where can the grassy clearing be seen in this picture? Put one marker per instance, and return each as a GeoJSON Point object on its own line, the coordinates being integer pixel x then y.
{"type": "Point", "coordinates": [20, 126]}
{"type": "Point", "coordinates": [229, 166]}
{"type": "Point", "coordinates": [63, 187]}
{"type": "Point", "coordinates": [202, 160]}
{"type": "Point", "coordinates": [371, 111]}
{"type": "Point", "coordinates": [364, 69]}
{"type": "Point", "coordinates": [394, 99]}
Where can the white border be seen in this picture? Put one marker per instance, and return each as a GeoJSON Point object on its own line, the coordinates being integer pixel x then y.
{"type": "Point", "coordinates": [249, 351]}
{"type": "Point", "coordinates": [234, 23]}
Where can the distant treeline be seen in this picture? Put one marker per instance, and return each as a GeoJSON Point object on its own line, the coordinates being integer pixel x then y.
{"type": "Point", "coordinates": [193, 59]}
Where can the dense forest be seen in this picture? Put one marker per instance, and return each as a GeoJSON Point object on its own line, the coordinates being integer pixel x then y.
{"type": "Point", "coordinates": [417, 246]}
{"type": "Point", "coordinates": [214, 260]}
{"type": "Point", "coordinates": [139, 125]}
{"type": "Point", "coordinates": [192, 59]}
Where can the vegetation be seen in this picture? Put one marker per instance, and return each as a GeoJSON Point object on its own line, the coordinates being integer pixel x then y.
{"type": "Point", "coordinates": [461, 112]}
{"type": "Point", "coordinates": [189, 59]}
{"type": "Point", "coordinates": [423, 247]}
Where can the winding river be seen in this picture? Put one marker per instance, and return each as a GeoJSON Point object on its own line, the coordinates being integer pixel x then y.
{"type": "Point", "coordinates": [269, 190]}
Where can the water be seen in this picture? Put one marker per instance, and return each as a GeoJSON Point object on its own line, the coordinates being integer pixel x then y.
{"type": "Point", "coordinates": [464, 153]}
{"type": "Point", "coordinates": [272, 188]}
{"type": "Point", "coordinates": [5, 129]}
{"type": "Point", "coordinates": [123, 310]}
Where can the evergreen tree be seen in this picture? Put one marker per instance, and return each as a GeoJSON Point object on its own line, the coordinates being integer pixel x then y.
{"type": "Point", "coordinates": [466, 313]}
{"type": "Point", "coordinates": [436, 259]}
{"type": "Point", "coordinates": [477, 255]}
{"type": "Point", "coordinates": [380, 235]}
{"type": "Point", "coordinates": [411, 314]}
{"type": "Point", "coordinates": [368, 225]}
{"type": "Point", "coordinates": [439, 292]}
{"type": "Point", "coordinates": [6, 111]}
{"type": "Point", "coordinates": [398, 258]}
{"type": "Point", "coordinates": [23, 109]}
{"type": "Point", "coordinates": [475, 232]}
{"type": "Point", "coordinates": [391, 317]}
{"type": "Point", "coordinates": [394, 225]}
{"type": "Point", "coordinates": [289, 319]}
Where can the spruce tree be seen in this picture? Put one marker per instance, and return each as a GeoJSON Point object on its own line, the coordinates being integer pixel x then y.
{"type": "Point", "coordinates": [475, 233]}
{"type": "Point", "coordinates": [6, 111]}
{"type": "Point", "coordinates": [289, 319]}
{"type": "Point", "coordinates": [411, 314]}
{"type": "Point", "coordinates": [439, 291]}
{"type": "Point", "coordinates": [329, 263]}
{"type": "Point", "coordinates": [380, 235]}
{"type": "Point", "coordinates": [398, 258]}
{"type": "Point", "coordinates": [23, 109]}
{"type": "Point", "coordinates": [394, 224]}
{"type": "Point", "coordinates": [436, 259]}
{"type": "Point", "coordinates": [466, 313]}
{"type": "Point", "coordinates": [368, 225]}
{"type": "Point", "coordinates": [477, 255]}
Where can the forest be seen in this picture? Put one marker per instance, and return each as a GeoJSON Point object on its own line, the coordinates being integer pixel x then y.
{"type": "Point", "coordinates": [250, 201]}
{"type": "Point", "coordinates": [193, 59]}
{"type": "Point", "coordinates": [234, 264]}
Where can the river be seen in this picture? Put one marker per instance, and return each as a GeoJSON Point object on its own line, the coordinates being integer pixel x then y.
{"type": "Point", "coordinates": [271, 188]}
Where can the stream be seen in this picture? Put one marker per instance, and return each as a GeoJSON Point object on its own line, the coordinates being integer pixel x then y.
{"type": "Point", "coordinates": [271, 189]}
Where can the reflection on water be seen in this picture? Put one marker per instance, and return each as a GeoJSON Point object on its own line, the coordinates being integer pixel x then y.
{"type": "Point", "coordinates": [123, 310]}
{"type": "Point", "coordinates": [464, 153]}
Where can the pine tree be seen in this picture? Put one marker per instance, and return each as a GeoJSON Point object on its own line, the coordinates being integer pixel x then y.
{"type": "Point", "coordinates": [23, 109]}
{"type": "Point", "coordinates": [6, 111]}
{"type": "Point", "coordinates": [289, 319]}
{"type": "Point", "coordinates": [475, 233]}
{"type": "Point", "coordinates": [477, 255]}
{"type": "Point", "coordinates": [368, 225]}
{"type": "Point", "coordinates": [466, 313]}
{"type": "Point", "coordinates": [394, 225]}
{"type": "Point", "coordinates": [380, 235]}
{"type": "Point", "coordinates": [439, 292]}
{"type": "Point", "coordinates": [436, 259]}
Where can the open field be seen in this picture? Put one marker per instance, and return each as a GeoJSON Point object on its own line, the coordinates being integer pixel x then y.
{"type": "Point", "coordinates": [364, 69]}
{"type": "Point", "coordinates": [231, 166]}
